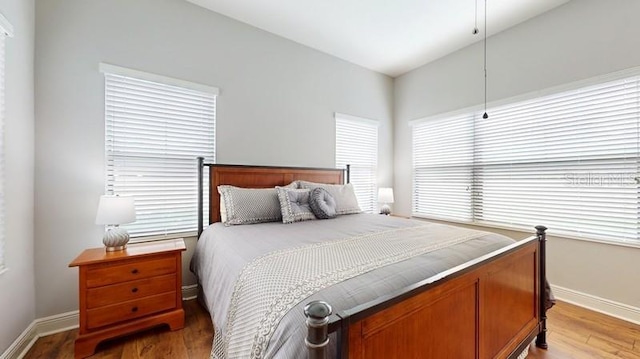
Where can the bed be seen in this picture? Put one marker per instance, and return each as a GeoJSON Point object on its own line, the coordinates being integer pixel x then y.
{"type": "Point", "coordinates": [362, 285]}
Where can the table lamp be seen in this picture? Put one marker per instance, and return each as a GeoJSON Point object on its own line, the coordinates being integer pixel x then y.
{"type": "Point", "coordinates": [114, 211]}
{"type": "Point", "coordinates": [385, 196]}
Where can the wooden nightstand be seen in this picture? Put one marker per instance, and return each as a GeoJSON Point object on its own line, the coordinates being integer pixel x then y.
{"type": "Point", "coordinates": [126, 291]}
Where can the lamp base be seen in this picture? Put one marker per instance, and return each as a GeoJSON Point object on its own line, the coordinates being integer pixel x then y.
{"type": "Point", "coordinates": [385, 209]}
{"type": "Point", "coordinates": [115, 249]}
{"type": "Point", "coordinates": [115, 239]}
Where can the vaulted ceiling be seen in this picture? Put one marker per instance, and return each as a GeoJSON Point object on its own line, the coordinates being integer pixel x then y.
{"type": "Point", "coordinates": [388, 36]}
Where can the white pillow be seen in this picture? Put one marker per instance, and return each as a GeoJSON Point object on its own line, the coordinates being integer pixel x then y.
{"type": "Point", "coordinates": [223, 211]}
{"type": "Point", "coordinates": [343, 194]}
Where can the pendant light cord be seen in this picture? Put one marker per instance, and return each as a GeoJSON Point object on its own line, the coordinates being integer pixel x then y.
{"type": "Point", "coordinates": [485, 116]}
{"type": "Point", "coordinates": [475, 23]}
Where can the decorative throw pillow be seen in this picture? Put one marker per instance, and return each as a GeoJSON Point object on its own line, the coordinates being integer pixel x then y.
{"type": "Point", "coordinates": [293, 185]}
{"type": "Point", "coordinates": [343, 194]}
{"type": "Point", "coordinates": [223, 211]}
{"type": "Point", "coordinates": [322, 203]}
{"type": "Point", "coordinates": [250, 205]}
{"type": "Point", "coordinates": [294, 204]}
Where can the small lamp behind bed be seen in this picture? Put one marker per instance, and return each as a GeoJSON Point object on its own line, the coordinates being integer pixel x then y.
{"type": "Point", "coordinates": [385, 196]}
{"type": "Point", "coordinates": [114, 211]}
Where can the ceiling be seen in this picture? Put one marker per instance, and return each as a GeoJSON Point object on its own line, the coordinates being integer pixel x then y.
{"type": "Point", "coordinates": [387, 36]}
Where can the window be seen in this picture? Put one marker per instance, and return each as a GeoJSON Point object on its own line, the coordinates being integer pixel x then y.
{"type": "Point", "coordinates": [568, 160]}
{"type": "Point", "coordinates": [357, 145]}
{"type": "Point", "coordinates": [6, 30]}
{"type": "Point", "coordinates": [156, 127]}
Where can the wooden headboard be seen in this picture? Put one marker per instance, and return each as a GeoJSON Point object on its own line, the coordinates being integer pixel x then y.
{"type": "Point", "coordinates": [257, 177]}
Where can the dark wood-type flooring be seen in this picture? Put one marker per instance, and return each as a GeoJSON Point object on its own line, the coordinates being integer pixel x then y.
{"type": "Point", "coordinates": [194, 341]}
{"type": "Point", "coordinates": [574, 332]}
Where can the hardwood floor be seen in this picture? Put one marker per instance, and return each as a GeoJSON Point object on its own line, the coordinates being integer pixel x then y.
{"type": "Point", "coordinates": [192, 342]}
{"type": "Point", "coordinates": [574, 332]}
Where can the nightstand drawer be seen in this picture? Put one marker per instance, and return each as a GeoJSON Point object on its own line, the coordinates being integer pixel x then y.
{"type": "Point", "coordinates": [102, 316]}
{"type": "Point", "coordinates": [105, 274]}
{"type": "Point", "coordinates": [118, 293]}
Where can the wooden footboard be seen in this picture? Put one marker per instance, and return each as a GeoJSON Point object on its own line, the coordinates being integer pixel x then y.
{"type": "Point", "coordinates": [487, 308]}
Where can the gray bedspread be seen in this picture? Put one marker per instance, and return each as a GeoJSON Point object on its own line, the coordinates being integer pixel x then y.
{"type": "Point", "coordinates": [222, 253]}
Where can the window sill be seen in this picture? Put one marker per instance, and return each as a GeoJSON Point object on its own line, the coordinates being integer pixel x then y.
{"type": "Point", "coordinates": [532, 231]}
{"type": "Point", "coordinates": [162, 237]}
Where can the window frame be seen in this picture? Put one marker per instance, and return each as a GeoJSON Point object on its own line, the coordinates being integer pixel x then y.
{"type": "Point", "coordinates": [108, 69]}
{"type": "Point", "coordinates": [476, 111]}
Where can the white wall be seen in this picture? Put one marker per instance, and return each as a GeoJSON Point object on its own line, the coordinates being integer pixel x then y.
{"type": "Point", "coordinates": [275, 108]}
{"type": "Point", "coordinates": [17, 293]}
{"type": "Point", "coordinates": [579, 40]}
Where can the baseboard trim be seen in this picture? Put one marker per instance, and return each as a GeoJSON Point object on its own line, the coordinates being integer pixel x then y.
{"type": "Point", "coordinates": [57, 323]}
{"type": "Point", "coordinates": [189, 292]}
{"type": "Point", "coordinates": [42, 327]}
{"type": "Point", "coordinates": [597, 304]}
{"type": "Point", "coordinates": [22, 344]}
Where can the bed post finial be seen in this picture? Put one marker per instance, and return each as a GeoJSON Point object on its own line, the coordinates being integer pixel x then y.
{"type": "Point", "coordinates": [317, 313]}
{"type": "Point", "coordinates": [348, 174]}
{"type": "Point", "coordinates": [541, 339]}
{"type": "Point", "coordinates": [200, 194]}
{"type": "Point", "coordinates": [540, 230]}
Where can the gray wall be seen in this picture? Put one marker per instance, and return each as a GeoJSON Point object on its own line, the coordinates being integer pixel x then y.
{"type": "Point", "coordinates": [579, 40]}
{"type": "Point", "coordinates": [17, 293]}
{"type": "Point", "coordinates": [275, 108]}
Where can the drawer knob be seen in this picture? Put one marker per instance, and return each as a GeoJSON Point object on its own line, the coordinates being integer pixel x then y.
{"type": "Point", "coordinates": [134, 309]}
{"type": "Point", "coordinates": [134, 290]}
{"type": "Point", "coordinates": [134, 271]}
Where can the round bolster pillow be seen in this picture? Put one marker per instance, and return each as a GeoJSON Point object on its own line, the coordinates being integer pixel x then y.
{"type": "Point", "coordinates": [322, 204]}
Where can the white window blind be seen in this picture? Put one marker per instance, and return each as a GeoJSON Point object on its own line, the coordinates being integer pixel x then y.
{"type": "Point", "coordinates": [357, 145]}
{"type": "Point", "coordinates": [5, 31]}
{"type": "Point", "coordinates": [154, 133]}
{"type": "Point", "coordinates": [569, 160]}
{"type": "Point", "coordinates": [443, 168]}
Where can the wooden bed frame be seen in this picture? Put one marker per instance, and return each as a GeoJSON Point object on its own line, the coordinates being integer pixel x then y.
{"type": "Point", "coordinates": [491, 307]}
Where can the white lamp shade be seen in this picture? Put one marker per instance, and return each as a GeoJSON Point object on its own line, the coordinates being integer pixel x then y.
{"type": "Point", "coordinates": [115, 210]}
{"type": "Point", "coordinates": [385, 195]}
